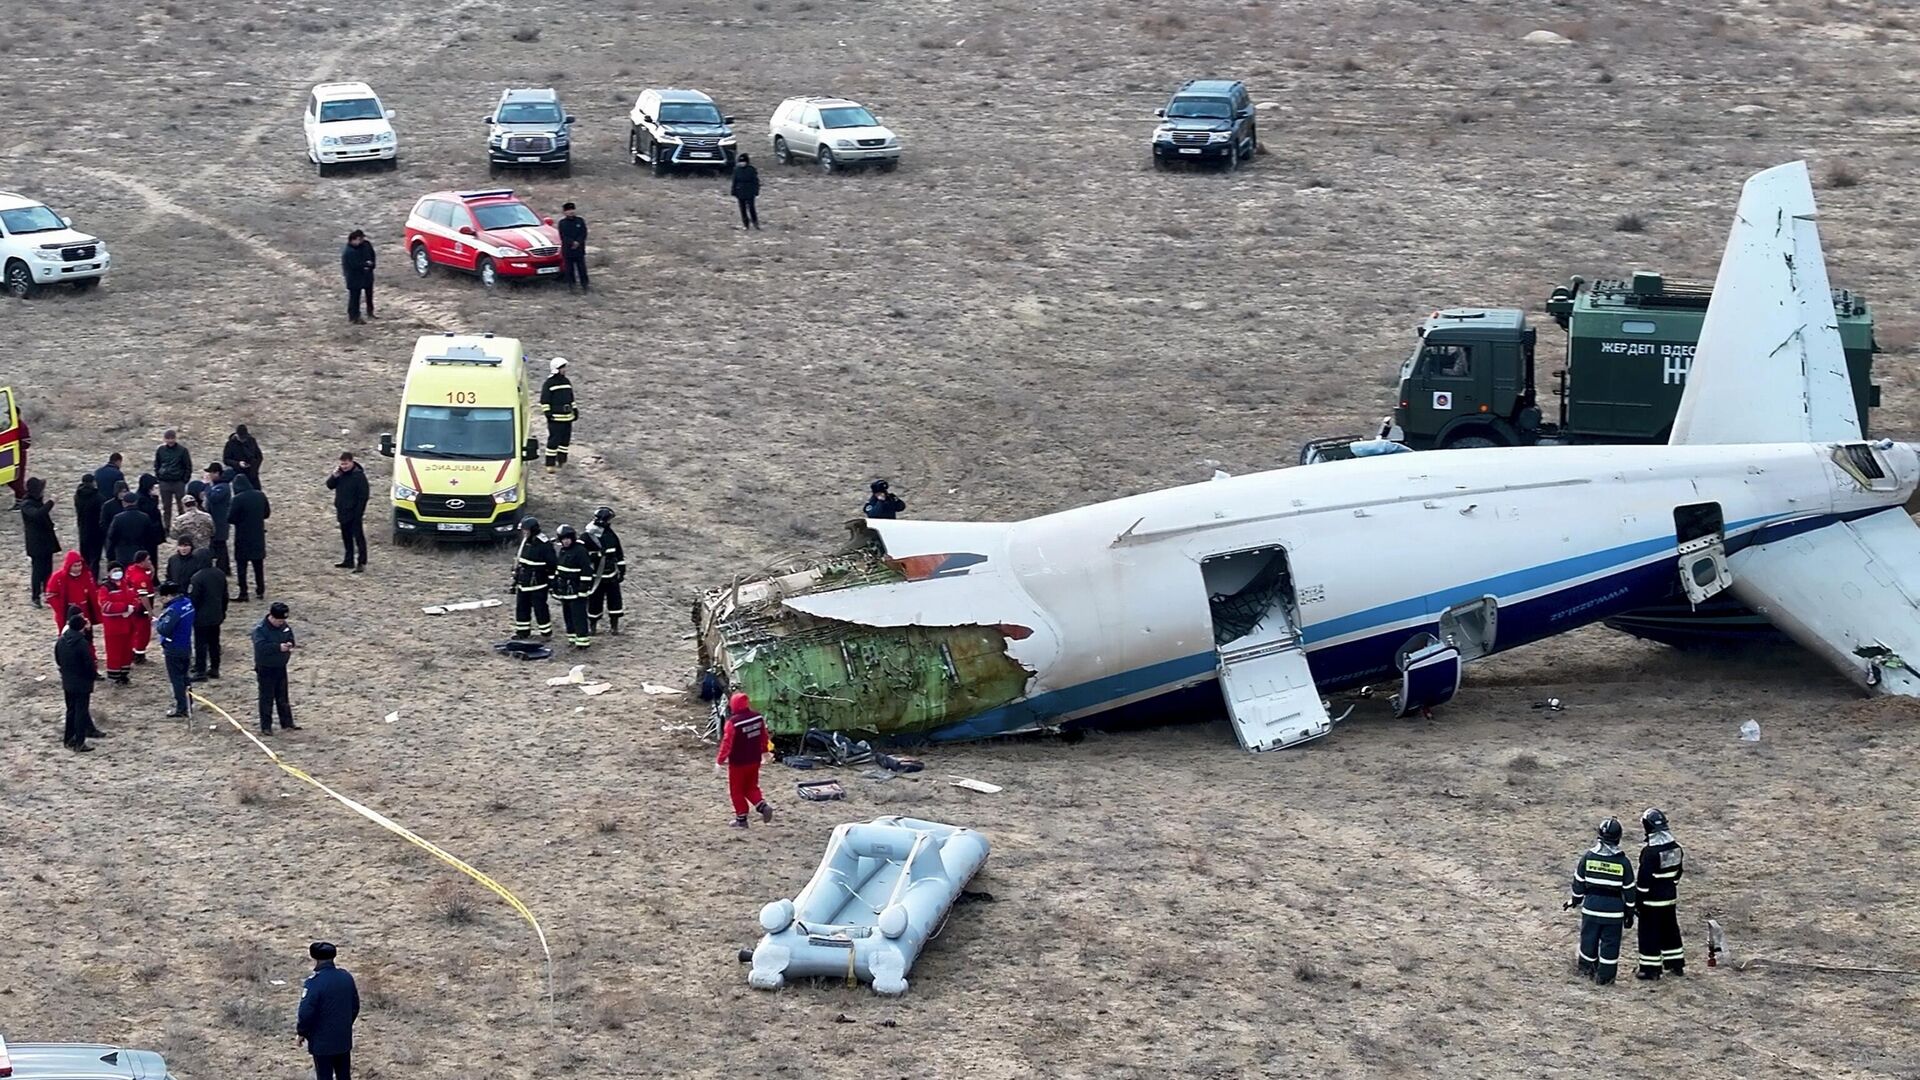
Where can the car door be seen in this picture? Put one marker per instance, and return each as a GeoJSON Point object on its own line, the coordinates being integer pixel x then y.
{"type": "Point", "coordinates": [310, 125]}
{"type": "Point", "coordinates": [462, 250]}
{"type": "Point", "coordinates": [9, 437]}
{"type": "Point", "coordinates": [810, 133]}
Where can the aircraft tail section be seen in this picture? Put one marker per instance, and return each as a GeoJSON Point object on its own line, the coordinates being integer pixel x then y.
{"type": "Point", "coordinates": [1769, 367]}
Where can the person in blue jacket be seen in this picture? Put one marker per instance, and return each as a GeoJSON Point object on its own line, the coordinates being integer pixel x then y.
{"type": "Point", "coordinates": [174, 628]}
{"type": "Point", "coordinates": [328, 1009]}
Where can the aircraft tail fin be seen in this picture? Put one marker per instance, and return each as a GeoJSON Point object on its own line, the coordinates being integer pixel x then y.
{"type": "Point", "coordinates": [1769, 367]}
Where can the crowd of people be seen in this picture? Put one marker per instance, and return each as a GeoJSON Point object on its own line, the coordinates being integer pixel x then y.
{"type": "Point", "coordinates": [205, 528]}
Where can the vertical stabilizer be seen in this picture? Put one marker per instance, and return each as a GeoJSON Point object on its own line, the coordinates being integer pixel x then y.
{"type": "Point", "coordinates": [1769, 367]}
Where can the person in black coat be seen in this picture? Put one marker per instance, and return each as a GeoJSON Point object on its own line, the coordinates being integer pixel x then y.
{"type": "Point", "coordinates": [106, 476]}
{"type": "Point", "coordinates": [36, 526]}
{"type": "Point", "coordinates": [356, 265]}
{"type": "Point", "coordinates": [348, 482]}
{"type": "Point", "coordinates": [746, 188]}
{"type": "Point", "coordinates": [573, 248]}
{"type": "Point", "coordinates": [242, 455]}
{"type": "Point", "coordinates": [208, 591]}
{"type": "Point", "coordinates": [185, 562]}
{"type": "Point", "coordinates": [328, 1007]}
{"type": "Point", "coordinates": [148, 498]}
{"type": "Point", "coordinates": [127, 532]}
{"type": "Point", "coordinates": [88, 500]}
{"type": "Point", "coordinates": [73, 655]}
{"type": "Point", "coordinates": [247, 515]}
{"type": "Point", "coordinates": [216, 498]}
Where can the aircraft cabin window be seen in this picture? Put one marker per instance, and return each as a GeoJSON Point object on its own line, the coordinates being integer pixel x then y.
{"type": "Point", "coordinates": [1637, 326]}
{"type": "Point", "coordinates": [1447, 361]}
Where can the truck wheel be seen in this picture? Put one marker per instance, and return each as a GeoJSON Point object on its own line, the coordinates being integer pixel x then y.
{"type": "Point", "coordinates": [660, 164]}
{"type": "Point", "coordinates": [19, 281]}
{"type": "Point", "coordinates": [1471, 442]}
{"type": "Point", "coordinates": [780, 152]}
{"type": "Point", "coordinates": [824, 158]}
{"type": "Point", "coordinates": [488, 276]}
{"type": "Point", "coordinates": [422, 264]}
{"type": "Point", "coordinates": [319, 168]}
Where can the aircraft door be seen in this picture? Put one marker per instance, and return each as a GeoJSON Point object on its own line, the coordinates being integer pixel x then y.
{"type": "Point", "coordinates": [1701, 533]}
{"type": "Point", "coordinates": [1270, 695]}
{"type": "Point", "coordinates": [1429, 675]}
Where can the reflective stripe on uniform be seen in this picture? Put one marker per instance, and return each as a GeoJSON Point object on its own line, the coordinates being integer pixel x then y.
{"type": "Point", "coordinates": [1676, 954]}
{"type": "Point", "coordinates": [1658, 903]}
{"type": "Point", "coordinates": [1667, 877]}
{"type": "Point", "coordinates": [1584, 910]}
{"type": "Point", "coordinates": [532, 588]}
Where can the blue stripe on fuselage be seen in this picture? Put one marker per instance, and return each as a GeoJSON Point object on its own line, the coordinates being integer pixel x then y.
{"type": "Point", "coordinates": [1369, 658]}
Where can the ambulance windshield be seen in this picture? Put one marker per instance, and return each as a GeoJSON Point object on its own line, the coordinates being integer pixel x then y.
{"type": "Point", "coordinates": [449, 431]}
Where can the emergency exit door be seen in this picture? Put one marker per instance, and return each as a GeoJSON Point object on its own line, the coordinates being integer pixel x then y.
{"type": "Point", "coordinates": [1701, 533]}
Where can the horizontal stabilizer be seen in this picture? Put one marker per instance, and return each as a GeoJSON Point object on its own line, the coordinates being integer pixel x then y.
{"type": "Point", "coordinates": [1769, 367]}
{"type": "Point", "coordinates": [1850, 592]}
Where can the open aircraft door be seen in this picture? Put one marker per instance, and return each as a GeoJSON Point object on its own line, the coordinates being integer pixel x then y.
{"type": "Point", "coordinates": [12, 452]}
{"type": "Point", "coordinates": [1269, 692]}
{"type": "Point", "coordinates": [1701, 533]}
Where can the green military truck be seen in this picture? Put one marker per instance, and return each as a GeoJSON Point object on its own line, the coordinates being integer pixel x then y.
{"type": "Point", "coordinates": [1470, 381]}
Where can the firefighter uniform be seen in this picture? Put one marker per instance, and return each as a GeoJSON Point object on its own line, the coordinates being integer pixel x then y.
{"type": "Point", "coordinates": [1603, 886]}
{"type": "Point", "coordinates": [533, 572]}
{"type": "Point", "coordinates": [556, 403]}
{"type": "Point", "coordinates": [1661, 864]}
{"type": "Point", "coordinates": [573, 586]}
{"type": "Point", "coordinates": [613, 570]}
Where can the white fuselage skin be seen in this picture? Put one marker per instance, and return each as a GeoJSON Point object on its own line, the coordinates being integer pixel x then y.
{"type": "Point", "coordinates": [1378, 548]}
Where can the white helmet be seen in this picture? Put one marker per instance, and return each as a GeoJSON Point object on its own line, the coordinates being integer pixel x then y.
{"type": "Point", "coordinates": [557, 363]}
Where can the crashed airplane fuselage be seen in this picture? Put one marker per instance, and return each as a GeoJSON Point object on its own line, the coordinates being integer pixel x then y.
{"type": "Point", "coordinates": [1287, 585]}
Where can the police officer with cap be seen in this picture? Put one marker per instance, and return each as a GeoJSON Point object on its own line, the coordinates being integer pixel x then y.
{"type": "Point", "coordinates": [556, 403]}
{"type": "Point", "coordinates": [883, 503]}
{"type": "Point", "coordinates": [1603, 887]}
{"type": "Point", "coordinates": [533, 569]}
{"type": "Point", "coordinates": [1661, 863]}
{"type": "Point", "coordinates": [573, 585]}
{"type": "Point", "coordinates": [329, 1005]}
{"type": "Point", "coordinates": [613, 570]}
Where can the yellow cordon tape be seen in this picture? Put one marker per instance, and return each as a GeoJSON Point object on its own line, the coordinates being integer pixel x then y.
{"type": "Point", "coordinates": [404, 833]}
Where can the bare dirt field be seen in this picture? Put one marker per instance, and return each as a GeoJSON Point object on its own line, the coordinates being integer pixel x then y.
{"type": "Point", "coordinates": [1024, 317]}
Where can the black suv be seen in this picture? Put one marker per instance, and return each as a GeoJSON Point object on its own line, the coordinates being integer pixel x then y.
{"type": "Point", "coordinates": [529, 129]}
{"type": "Point", "coordinates": [1207, 120]}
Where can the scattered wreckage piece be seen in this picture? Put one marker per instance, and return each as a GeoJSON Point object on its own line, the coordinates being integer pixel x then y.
{"type": "Point", "coordinates": [882, 890]}
{"type": "Point", "coordinates": [525, 650]}
{"type": "Point", "coordinates": [464, 605]}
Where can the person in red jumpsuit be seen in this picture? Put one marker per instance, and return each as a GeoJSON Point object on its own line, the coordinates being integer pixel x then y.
{"type": "Point", "coordinates": [118, 606]}
{"type": "Point", "coordinates": [140, 580]}
{"type": "Point", "coordinates": [73, 584]}
{"type": "Point", "coordinates": [744, 742]}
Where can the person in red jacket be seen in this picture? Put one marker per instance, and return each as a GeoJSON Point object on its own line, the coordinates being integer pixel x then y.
{"type": "Point", "coordinates": [118, 605]}
{"type": "Point", "coordinates": [73, 584]}
{"type": "Point", "coordinates": [140, 580]}
{"type": "Point", "coordinates": [744, 743]}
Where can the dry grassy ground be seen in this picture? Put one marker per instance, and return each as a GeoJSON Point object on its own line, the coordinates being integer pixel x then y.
{"type": "Point", "coordinates": [1024, 317]}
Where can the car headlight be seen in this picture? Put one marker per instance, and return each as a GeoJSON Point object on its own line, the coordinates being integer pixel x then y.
{"type": "Point", "coordinates": [843, 144]}
{"type": "Point", "coordinates": [1162, 132]}
{"type": "Point", "coordinates": [1219, 136]}
{"type": "Point", "coordinates": [47, 256]}
{"type": "Point", "coordinates": [668, 140]}
{"type": "Point", "coordinates": [729, 141]}
{"type": "Point", "coordinates": [512, 253]}
{"type": "Point", "coordinates": [328, 140]}
{"type": "Point", "coordinates": [404, 493]}
{"type": "Point", "coordinates": [512, 494]}
{"type": "Point", "coordinates": [561, 136]}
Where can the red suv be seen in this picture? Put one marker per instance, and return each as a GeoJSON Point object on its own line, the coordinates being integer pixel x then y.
{"type": "Point", "coordinates": [487, 233]}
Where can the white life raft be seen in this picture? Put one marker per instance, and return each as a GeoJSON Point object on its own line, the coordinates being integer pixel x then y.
{"type": "Point", "coordinates": [882, 891]}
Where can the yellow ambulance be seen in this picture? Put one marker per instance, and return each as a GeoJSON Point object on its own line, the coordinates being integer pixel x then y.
{"type": "Point", "coordinates": [462, 449]}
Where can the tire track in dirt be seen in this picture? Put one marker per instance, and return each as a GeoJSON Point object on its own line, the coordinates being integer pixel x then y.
{"type": "Point", "coordinates": [426, 313]}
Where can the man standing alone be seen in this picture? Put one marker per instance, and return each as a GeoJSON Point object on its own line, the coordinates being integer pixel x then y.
{"type": "Point", "coordinates": [272, 642]}
{"type": "Point", "coordinates": [349, 486]}
{"type": "Point", "coordinates": [172, 467]}
{"type": "Point", "coordinates": [356, 263]}
{"type": "Point", "coordinates": [556, 401]}
{"type": "Point", "coordinates": [328, 1008]}
{"type": "Point", "coordinates": [746, 188]}
{"type": "Point", "coordinates": [573, 248]}
{"type": "Point", "coordinates": [175, 628]}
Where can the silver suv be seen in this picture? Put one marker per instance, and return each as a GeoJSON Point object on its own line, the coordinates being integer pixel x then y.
{"type": "Point", "coordinates": [529, 129]}
{"type": "Point", "coordinates": [79, 1061]}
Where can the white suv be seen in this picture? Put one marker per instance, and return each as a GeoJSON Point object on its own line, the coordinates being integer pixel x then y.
{"type": "Point", "coordinates": [345, 124]}
{"type": "Point", "coordinates": [834, 132]}
{"type": "Point", "coordinates": [39, 247]}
